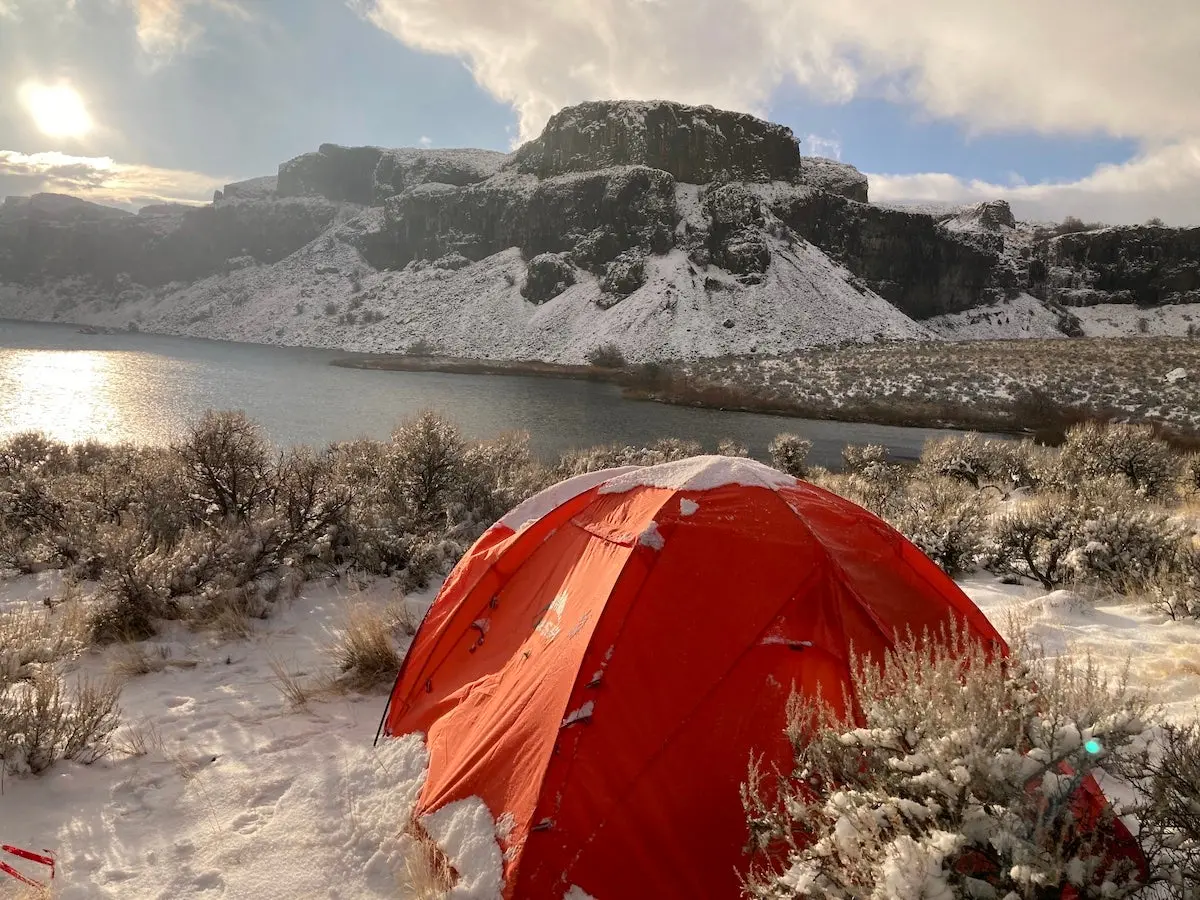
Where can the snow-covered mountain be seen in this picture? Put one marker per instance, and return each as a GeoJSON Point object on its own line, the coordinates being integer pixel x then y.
{"type": "Point", "coordinates": [670, 231]}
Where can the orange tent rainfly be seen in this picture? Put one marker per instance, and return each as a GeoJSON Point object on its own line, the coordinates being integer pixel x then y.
{"type": "Point", "coordinates": [600, 666]}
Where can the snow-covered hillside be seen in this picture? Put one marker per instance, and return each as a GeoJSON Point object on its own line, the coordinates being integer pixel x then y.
{"type": "Point", "coordinates": [325, 295]}
{"type": "Point", "coordinates": [234, 793]}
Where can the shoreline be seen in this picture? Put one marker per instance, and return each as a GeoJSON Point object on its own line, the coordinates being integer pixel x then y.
{"type": "Point", "coordinates": [675, 390]}
{"type": "Point", "coordinates": [1045, 422]}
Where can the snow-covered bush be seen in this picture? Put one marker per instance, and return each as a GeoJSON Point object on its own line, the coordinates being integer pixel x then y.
{"type": "Point", "coordinates": [789, 454]}
{"type": "Point", "coordinates": [1023, 464]}
{"type": "Point", "coordinates": [1126, 548]}
{"type": "Point", "coordinates": [859, 459]}
{"type": "Point", "coordinates": [1102, 533]}
{"type": "Point", "coordinates": [1165, 781]}
{"type": "Point", "coordinates": [225, 462]}
{"type": "Point", "coordinates": [425, 464]}
{"type": "Point", "coordinates": [1133, 452]}
{"type": "Point", "coordinates": [135, 589]}
{"type": "Point", "coordinates": [1035, 540]}
{"type": "Point", "coordinates": [945, 518]}
{"type": "Point", "coordinates": [967, 458]}
{"type": "Point", "coordinates": [497, 475]}
{"type": "Point", "coordinates": [1191, 471]}
{"type": "Point", "coordinates": [956, 781]}
{"type": "Point", "coordinates": [732, 447]}
{"type": "Point", "coordinates": [42, 720]}
{"type": "Point", "coordinates": [1177, 593]}
{"type": "Point", "coordinates": [607, 356]}
{"type": "Point", "coordinates": [594, 459]}
{"type": "Point", "coordinates": [31, 516]}
{"type": "Point", "coordinates": [32, 451]}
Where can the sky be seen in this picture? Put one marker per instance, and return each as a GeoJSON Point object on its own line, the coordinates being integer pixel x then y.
{"type": "Point", "coordinates": [1076, 107]}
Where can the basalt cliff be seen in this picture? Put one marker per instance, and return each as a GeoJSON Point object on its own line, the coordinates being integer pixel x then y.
{"type": "Point", "coordinates": [670, 231]}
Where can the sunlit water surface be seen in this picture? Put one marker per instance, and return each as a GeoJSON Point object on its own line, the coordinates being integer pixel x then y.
{"type": "Point", "coordinates": [146, 389]}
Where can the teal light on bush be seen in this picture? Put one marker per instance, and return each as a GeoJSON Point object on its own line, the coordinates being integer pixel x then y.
{"type": "Point", "coordinates": [1093, 746]}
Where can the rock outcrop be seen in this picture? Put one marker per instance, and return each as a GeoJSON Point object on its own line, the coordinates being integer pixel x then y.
{"type": "Point", "coordinates": [370, 175]}
{"type": "Point", "coordinates": [1144, 264]}
{"type": "Point", "coordinates": [592, 216]}
{"type": "Point", "coordinates": [547, 276]}
{"type": "Point", "coordinates": [695, 144]}
{"type": "Point", "coordinates": [834, 177]}
{"type": "Point", "coordinates": [993, 216]}
{"type": "Point", "coordinates": [53, 236]}
{"type": "Point", "coordinates": [264, 188]}
{"type": "Point", "coordinates": [907, 257]}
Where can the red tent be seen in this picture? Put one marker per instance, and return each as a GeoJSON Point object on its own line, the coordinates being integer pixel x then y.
{"type": "Point", "coordinates": [602, 664]}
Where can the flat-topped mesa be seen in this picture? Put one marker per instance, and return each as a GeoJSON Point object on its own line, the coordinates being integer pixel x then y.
{"type": "Point", "coordinates": [369, 175]}
{"type": "Point", "coordinates": [695, 144]}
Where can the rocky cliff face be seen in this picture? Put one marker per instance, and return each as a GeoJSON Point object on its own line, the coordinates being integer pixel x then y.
{"type": "Point", "coordinates": [369, 175]}
{"type": "Point", "coordinates": [52, 236]}
{"type": "Point", "coordinates": [601, 188]}
{"type": "Point", "coordinates": [1145, 265]}
{"type": "Point", "coordinates": [910, 258]}
{"type": "Point", "coordinates": [695, 144]}
{"type": "Point", "coordinates": [612, 201]}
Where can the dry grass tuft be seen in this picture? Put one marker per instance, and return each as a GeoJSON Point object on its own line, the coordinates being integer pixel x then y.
{"type": "Point", "coordinates": [45, 635]}
{"type": "Point", "coordinates": [427, 873]}
{"type": "Point", "coordinates": [297, 687]}
{"type": "Point", "coordinates": [44, 720]}
{"type": "Point", "coordinates": [231, 613]}
{"type": "Point", "coordinates": [131, 660]}
{"type": "Point", "coordinates": [138, 739]}
{"type": "Point", "coordinates": [364, 648]}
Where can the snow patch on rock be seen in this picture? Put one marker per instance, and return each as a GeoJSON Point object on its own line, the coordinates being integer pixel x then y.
{"type": "Point", "coordinates": [1024, 316]}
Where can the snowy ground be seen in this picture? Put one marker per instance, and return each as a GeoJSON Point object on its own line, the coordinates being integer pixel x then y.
{"type": "Point", "coordinates": [238, 795]}
{"type": "Point", "coordinates": [1023, 317]}
{"type": "Point", "coordinates": [241, 795]}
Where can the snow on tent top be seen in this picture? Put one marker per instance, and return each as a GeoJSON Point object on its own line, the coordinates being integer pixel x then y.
{"type": "Point", "coordinates": [598, 669]}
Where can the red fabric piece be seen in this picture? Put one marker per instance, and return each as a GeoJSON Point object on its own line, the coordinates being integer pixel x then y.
{"type": "Point", "coordinates": [607, 692]}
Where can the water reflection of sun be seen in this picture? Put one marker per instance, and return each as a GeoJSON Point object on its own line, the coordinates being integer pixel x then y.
{"type": "Point", "coordinates": [62, 393]}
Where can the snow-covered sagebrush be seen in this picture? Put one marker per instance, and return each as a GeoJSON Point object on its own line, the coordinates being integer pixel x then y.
{"type": "Point", "coordinates": [1101, 533]}
{"type": "Point", "coordinates": [955, 780]}
{"type": "Point", "coordinates": [789, 454]}
{"type": "Point", "coordinates": [1132, 452]}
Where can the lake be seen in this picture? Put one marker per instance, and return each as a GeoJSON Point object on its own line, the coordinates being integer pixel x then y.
{"type": "Point", "coordinates": [146, 388]}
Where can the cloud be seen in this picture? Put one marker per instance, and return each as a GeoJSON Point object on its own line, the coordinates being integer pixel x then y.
{"type": "Point", "coordinates": [161, 27]}
{"type": "Point", "coordinates": [165, 27]}
{"type": "Point", "coordinates": [103, 180]}
{"type": "Point", "coordinates": [1163, 182]}
{"type": "Point", "coordinates": [425, 142]}
{"type": "Point", "coordinates": [1068, 67]}
{"type": "Point", "coordinates": [831, 148]}
{"type": "Point", "coordinates": [8, 10]}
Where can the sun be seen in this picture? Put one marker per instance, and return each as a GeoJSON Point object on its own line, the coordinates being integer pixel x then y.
{"type": "Point", "coordinates": [57, 110]}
